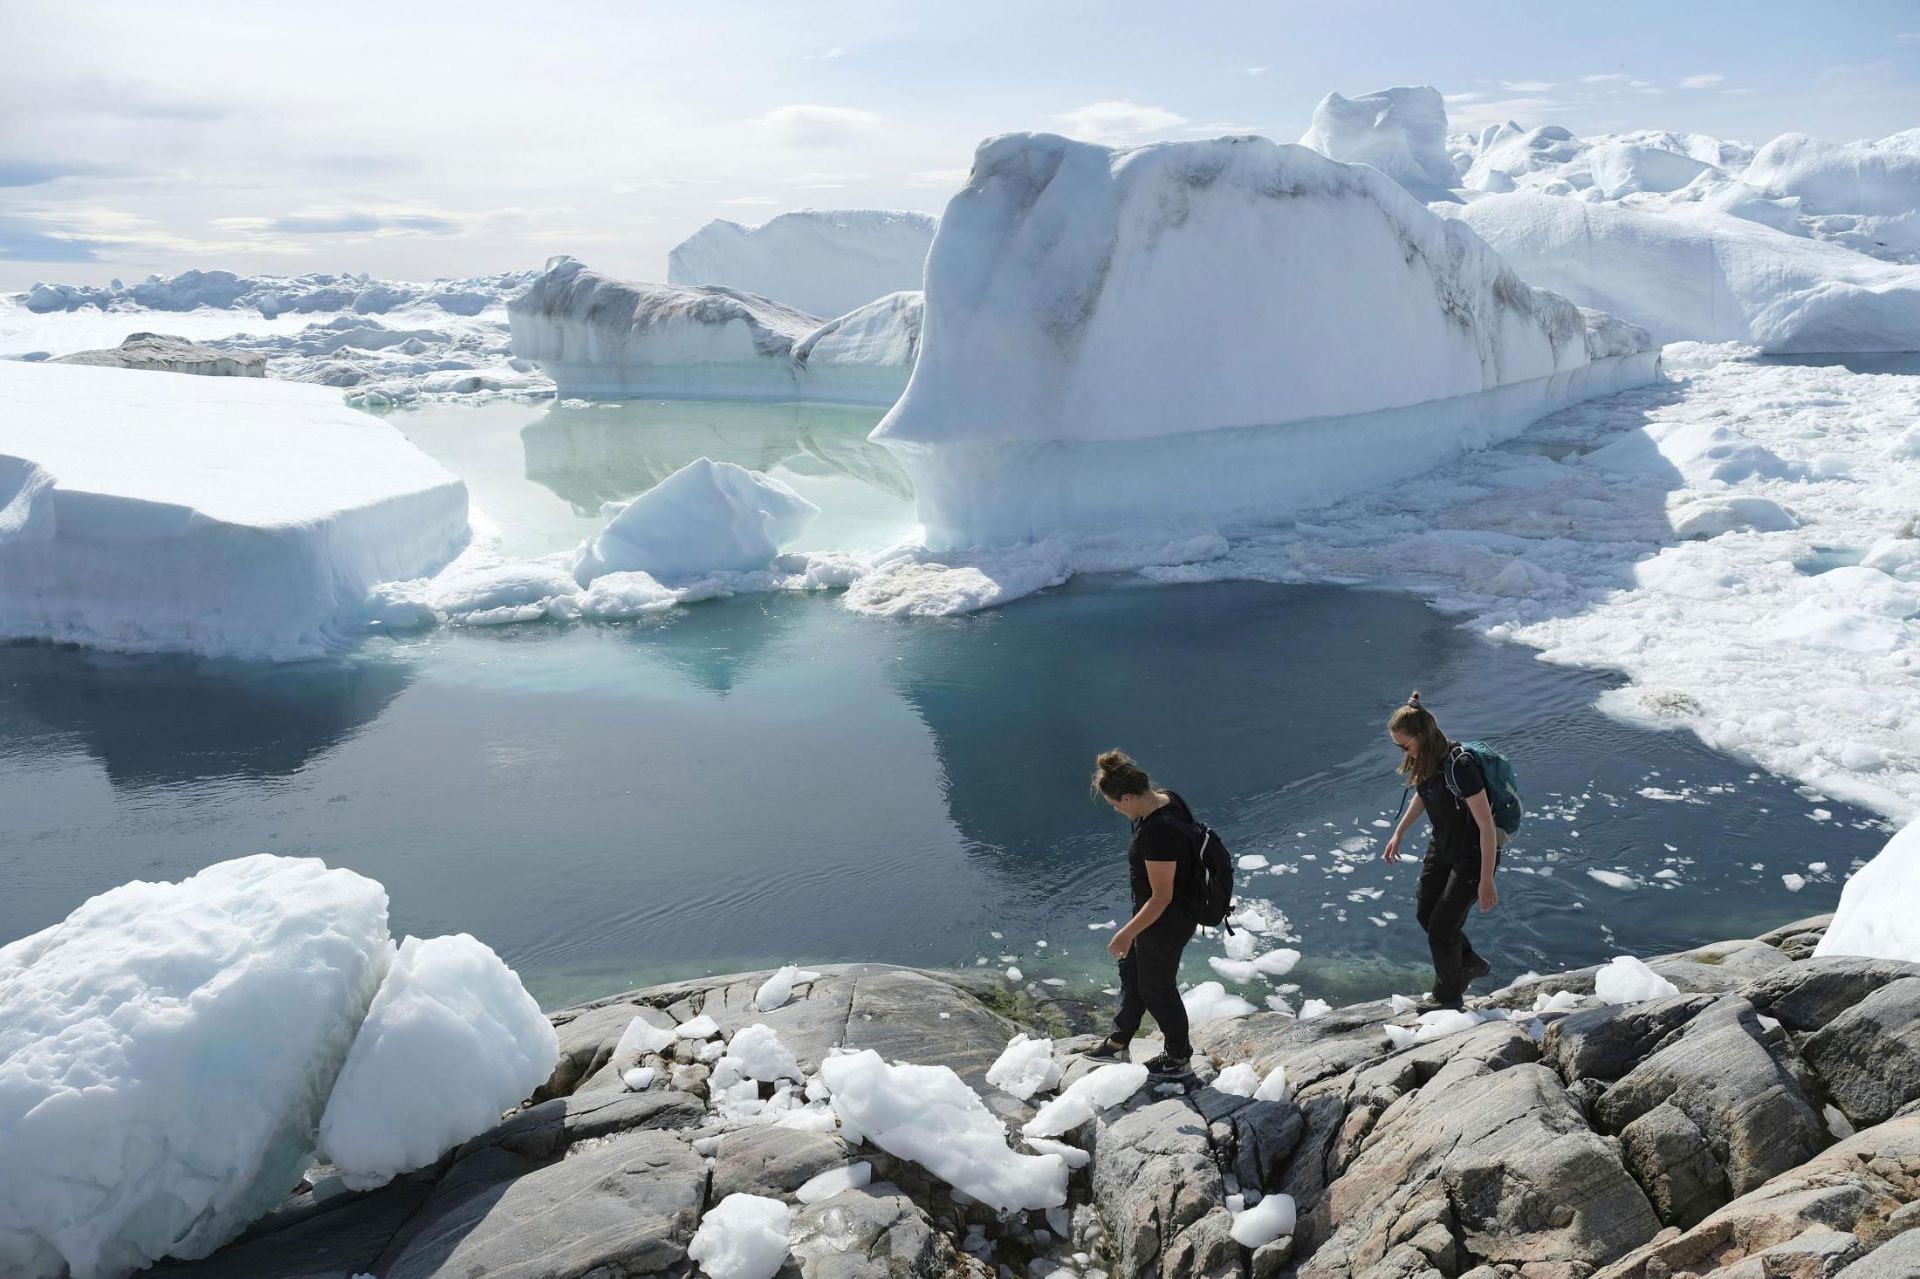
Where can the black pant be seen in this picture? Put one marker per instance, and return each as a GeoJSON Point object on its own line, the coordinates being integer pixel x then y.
{"type": "Point", "coordinates": [1150, 983]}
{"type": "Point", "coordinates": [1448, 891]}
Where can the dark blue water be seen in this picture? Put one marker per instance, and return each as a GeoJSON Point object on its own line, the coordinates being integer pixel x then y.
{"type": "Point", "coordinates": [768, 779]}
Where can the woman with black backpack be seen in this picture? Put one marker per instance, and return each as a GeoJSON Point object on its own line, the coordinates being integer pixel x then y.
{"type": "Point", "coordinates": [1163, 862]}
{"type": "Point", "coordinates": [1450, 787]}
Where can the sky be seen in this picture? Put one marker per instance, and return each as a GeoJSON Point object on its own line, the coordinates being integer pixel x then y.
{"type": "Point", "coordinates": [431, 139]}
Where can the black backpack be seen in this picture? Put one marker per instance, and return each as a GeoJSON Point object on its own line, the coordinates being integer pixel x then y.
{"type": "Point", "coordinates": [1214, 881]}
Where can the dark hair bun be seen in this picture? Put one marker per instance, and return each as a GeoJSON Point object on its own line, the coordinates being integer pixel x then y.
{"type": "Point", "coordinates": [1414, 701]}
{"type": "Point", "coordinates": [1114, 761]}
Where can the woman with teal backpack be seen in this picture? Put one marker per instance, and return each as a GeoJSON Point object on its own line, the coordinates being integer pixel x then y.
{"type": "Point", "coordinates": [1451, 786]}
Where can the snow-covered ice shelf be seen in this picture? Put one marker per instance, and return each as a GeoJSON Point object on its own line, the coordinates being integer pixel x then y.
{"type": "Point", "coordinates": [226, 517]}
{"type": "Point", "coordinates": [1222, 326]}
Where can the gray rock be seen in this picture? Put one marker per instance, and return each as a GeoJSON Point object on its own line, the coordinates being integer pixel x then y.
{"type": "Point", "coordinates": [1312, 1050]}
{"type": "Point", "coordinates": [337, 1243]}
{"type": "Point", "coordinates": [1269, 1259]}
{"type": "Point", "coordinates": [587, 1039]}
{"type": "Point", "coordinates": [875, 1232]}
{"type": "Point", "coordinates": [1718, 1073]}
{"type": "Point", "coordinates": [1204, 1250]}
{"type": "Point", "coordinates": [1605, 1043]}
{"type": "Point", "coordinates": [1898, 1258]}
{"type": "Point", "coordinates": [1869, 1056]}
{"type": "Point", "coordinates": [1807, 995]}
{"type": "Point", "coordinates": [158, 352]}
{"type": "Point", "coordinates": [1855, 1184]}
{"type": "Point", "coordinates": [773, 1162]}
{"type": "Point", "coordinates": [626, 1208]}
{"type": "Point", "coordinates": [1153, 1176]}
{"type": "Point", "coordinates": [1816, 924]}
{"type": "Point", "coordinates": [1670, 1157]}
{"type": "Point", "coordinates": [1502, 1159]}
{"type": "Point", "coordinates": [543, 1132]}
{"type": "Point", "coordinates": [1818, 1254]}
{"type": "Point", "coordinates": [1708, 970]}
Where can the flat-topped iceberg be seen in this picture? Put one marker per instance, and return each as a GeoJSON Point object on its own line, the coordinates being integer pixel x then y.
{"type": "Point", "coordinates": [1223, 327]}
{"type": "Point", "coordinates": [597, 336]}
{"type": "Point", "coordinates": [1402, 132]}
{"type": "Point", "coordinates": [1706, 277]}
{"type": "Point", "coordinates": [237, 517]}
{"type": "Point", "coordinates": [824, 261]}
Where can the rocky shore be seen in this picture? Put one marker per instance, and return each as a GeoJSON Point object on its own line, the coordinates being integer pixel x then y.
{"type": "Point", "coordinates": [1760, 1123]}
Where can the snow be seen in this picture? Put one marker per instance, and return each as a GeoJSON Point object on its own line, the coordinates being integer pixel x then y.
{"type": "Point", "coordinates": [452, 1040]}
{"type": "Point", "coordinates": [1265, 1222]}
{"type": "Point", "coordinates": [1097, 1090]}
{"type": "Point", "coordinates": [1402, 132]}
{"type": "Point", "coordinates": [640, 1038]}
{"type": "Point", "coordinates": [1314, 1008]}
{"type": "Point", "coordinates": [1613, 878]}
{"type": "Point", "coordinates": [1238, 1080]}
{"type": "Point", "coordinates": [1868, 191]}
{"type": "Point", "coordinates": [639, 1079]}
{"type": "Point", "coordinates": [707, 517]}
{"type": "Point", "coordinates": [1274, 1086]}
{"type": "Point", "coordinates": [1074, 1156]}
{"type": "Point", "coordinates": [230, 517]}
{"type": "Point", "coordinates": [1079, 295]}
{"type": "Point", "coordinates": [1626, 980]}
{"type": "Point", "coordinates": [601, 337]}
{"type": "Point", "coordinates": [1707, 278]}
{"type": "Point", "coordinates": [701, 1027]}
{"type": "Point", "coordinates": [776, 990]}
{"type": "Point", "coordinates": [165, 1053]}
{"type": "Point", "coordinates": [1025, 1067]}
{"type": "Point", "coordinates": [928, 1114]}
{"type": "Point", "coordinates": [834, 1180]}
{"type": "Point", "coordinates": [825, 261]}
{"type": "Point", "coordinates": [742, 1237]}
{"type": "Point", "coordinates": [1879, 912]}
{"type": "Point", "coordinates": [1209, 1001]}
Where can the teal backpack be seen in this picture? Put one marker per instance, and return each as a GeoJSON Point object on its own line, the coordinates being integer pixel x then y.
{"type": "Point", "coordinates": [1503, 795]}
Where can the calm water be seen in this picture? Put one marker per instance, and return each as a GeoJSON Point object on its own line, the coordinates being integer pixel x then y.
{"type": "Point", "coordinates": [766, 779]}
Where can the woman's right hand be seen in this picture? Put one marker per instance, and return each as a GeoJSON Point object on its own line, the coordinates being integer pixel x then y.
{"type": "Point", "coordinates": [1392, 854]}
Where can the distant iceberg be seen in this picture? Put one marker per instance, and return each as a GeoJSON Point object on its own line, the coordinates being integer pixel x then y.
{"type": "Point", "coordinates": [1707, 277]}
{"type": "Point", "coordinates": [1402, 132]}
{"type": "Point", "coordinates": [1227, 327]}
{"type": "Point", "coordinates": [236, 517]}
{"type": "Point", "coordinates": [597, 336]}
{"type": "Point", "coordinates": [823, 261]}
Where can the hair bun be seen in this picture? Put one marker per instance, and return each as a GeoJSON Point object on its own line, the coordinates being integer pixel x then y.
{"type": "Point", "coordinates": [1414, 701]}
{"type": "Point", "coordinates": [1114, 761]}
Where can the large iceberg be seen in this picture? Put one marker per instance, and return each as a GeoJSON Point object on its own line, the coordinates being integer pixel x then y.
{"type": "Point", "coordinates": [597, 336]}
{"type": "Point", "coordinates": [1707, 278]}
{"type": "Point", "coordinates": [1866, 193]}
{"type": "Point", "coordinates": [273, 295]}
{"type": "Point", "coordinates": [1402, 132]}
{"type": "Point", "coordinates": [228, 517]}
{"type": "Point", "coordinates": [1230, 326]}
{"type": "Point", "coordinates": [707, 517]}
{"type": "Point", "coordinates": [823, 261]}
{"type": "Point", "coordinates": [165, 1053]}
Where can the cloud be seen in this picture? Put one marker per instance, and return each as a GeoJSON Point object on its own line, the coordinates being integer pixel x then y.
{"type": "Point", "coordinates": [754, 199]}
{"type": "Point", "coordinates": [1452, 99]}
{"type": "Point", "coordinates": [20, 171]}
{"type": "Point", "coordinates": [939, 178]}
{"type": "Point", "coordinates": [1527, 86]}
{"type": "Point", "coordinates": [363, 221]}
{"type": "Point", "coordinates": [1225, 129]}
{"type": "Point", "coordinates": [835, 52]}
{"type": "Point", "coordinates": [1605, 77]}
{"type": "Point", "coordinates": [1906, 37]}
{"type": "Point", "coordinates": [806, 125]}
{"type": "Point", "coordinates": [136, 99]}
{"type": "Point", "coordinates": [1526, 111]}
{"type": "Point", "coordinates": [1113, 123]}
{"type": "Point", "coordinates": [1253, 70]}
{"type": "Point", "coordinates": [1703, 81]}
{"type": "Point", "coordinates": [20, 242]}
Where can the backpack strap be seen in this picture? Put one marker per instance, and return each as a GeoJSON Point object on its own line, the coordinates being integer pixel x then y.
{"type": "Point", "coordinates": [1446, 771]}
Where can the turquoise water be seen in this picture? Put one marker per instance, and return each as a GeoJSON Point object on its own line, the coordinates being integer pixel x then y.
{"type": "Point", "coordinates": [771, 778]}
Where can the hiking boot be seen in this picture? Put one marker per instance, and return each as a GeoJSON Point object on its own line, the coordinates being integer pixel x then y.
{"type": "Point", "coordinates": [1431, 1002]}
{"type": "Point", "coordinates": [1108, 1049]}
{"type": "Point", "coordinates": [1476, 969]}
{"type": "Point", "coordinates": [1165, 1067]}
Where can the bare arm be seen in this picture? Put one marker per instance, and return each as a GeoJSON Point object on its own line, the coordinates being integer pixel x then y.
{"type": "Point", "coordinates": [1489, 849]}
{"type": "Point", "coordinates": [1414, 809]}
{"type": "Point", "coordinates": [1160, 879]}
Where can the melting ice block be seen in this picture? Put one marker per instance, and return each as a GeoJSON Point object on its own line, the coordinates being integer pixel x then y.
{"type": "Point", "coordinates": [1705, 277]}
{"type": "Point", "coordinates": [827, 261]}
{"type": "Point", "coordinates": [597, 336]}
{"type": "Point", "coordinates": [1879, 913]}
{"type": "Point", "coordinates": [234, 517]}
{"type": "Point", "coordinates": [165, 1053]}
{"type": "Point", "coordinates": [706, 517]}
{"type": "Point", "coordinates": [1223, 326]}
{"type": "Point", "coordinates": [451, 1041]}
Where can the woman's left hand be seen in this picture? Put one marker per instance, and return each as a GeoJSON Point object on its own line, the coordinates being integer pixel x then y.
{"type": "Point", "coordinates": [1119, 945]}
{"type": "Point", "coordinates": [1489, 896]}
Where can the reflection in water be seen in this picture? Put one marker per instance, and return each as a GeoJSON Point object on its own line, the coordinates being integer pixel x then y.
{"type": "Point", "coordinates": [162, 721]}
{"type": "Point", "coordinates": [600, 453]}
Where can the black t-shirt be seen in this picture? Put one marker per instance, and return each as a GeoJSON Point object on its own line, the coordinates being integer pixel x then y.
{"type": "Point", "coordinates": [1164, 835]}
{"type": "Point", "coordinates": [1456, 836]}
